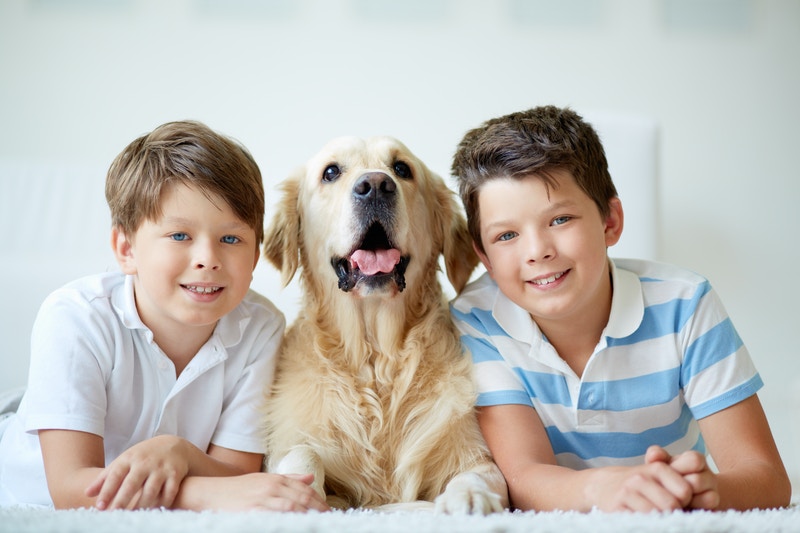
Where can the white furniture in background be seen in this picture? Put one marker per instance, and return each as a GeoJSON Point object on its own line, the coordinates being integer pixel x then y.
{"type": "Point", "coordinates": [631, 145]}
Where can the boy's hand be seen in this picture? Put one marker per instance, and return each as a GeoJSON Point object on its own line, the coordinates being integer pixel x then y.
{"type": "Point", "coordinates": [254, 491]}
{"type": "Point", "coordinates": [146, 475]}
{"type": "Point", "coordinates": [695, 470]}
{"type": "Point", "coordinates": [654, 486]}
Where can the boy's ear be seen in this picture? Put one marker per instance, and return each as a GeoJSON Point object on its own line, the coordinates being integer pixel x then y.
{"type": "Point", "coordinates": [614, 222]}
{"type": "Point", "coordinates": [123, 250]}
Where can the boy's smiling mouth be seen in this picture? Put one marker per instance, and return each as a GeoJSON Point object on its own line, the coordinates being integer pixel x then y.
{"type": "Point", "coordinates": [549, 279]}
{"type": "Point", "coordinates": [201, 290]}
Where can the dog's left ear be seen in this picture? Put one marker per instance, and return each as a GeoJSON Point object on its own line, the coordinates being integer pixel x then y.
{"type": "Point", "coordinates": [459, 256]}
{"type": "Point", "coordinates": [282, 238]}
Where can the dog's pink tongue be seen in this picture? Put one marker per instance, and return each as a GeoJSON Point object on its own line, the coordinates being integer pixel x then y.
{"type": "Point", "coordinates": [370, 262]}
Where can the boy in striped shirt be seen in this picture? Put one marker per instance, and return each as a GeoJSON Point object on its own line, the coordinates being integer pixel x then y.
{"type": "Point", "coordinates": [601, 383]}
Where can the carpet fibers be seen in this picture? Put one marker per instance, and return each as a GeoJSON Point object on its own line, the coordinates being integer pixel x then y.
{"type": "Point", "coordinates": [22, 520]}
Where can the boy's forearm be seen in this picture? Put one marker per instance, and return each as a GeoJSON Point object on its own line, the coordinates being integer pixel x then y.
{"type": "Point", "coordinates": [543, 487]}
{"type": "Point", "coordinates": [751, 472]}
{"type": "Point", "coordinates": [645, 488]}
{"type": "Point", "coordinates": [69, 492]}
{"type": "Point", "coordinates": [196, 494]}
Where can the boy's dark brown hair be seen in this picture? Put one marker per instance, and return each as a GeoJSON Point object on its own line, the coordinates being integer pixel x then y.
{"type": "Point", "coordinates": [187, 152]}
{"type": "Point", "coordinates": [533, 142]}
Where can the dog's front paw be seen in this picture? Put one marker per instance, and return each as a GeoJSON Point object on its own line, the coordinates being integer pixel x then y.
{"type": "Point", "coordinates": [468, 493]}
{"type": "Point", "coordinates": [304, 460]}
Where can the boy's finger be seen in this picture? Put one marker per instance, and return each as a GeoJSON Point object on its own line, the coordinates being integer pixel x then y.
{"type": "Point", "coordinates": [134, 502]}
{"type": "Point", "coordinates": [637, 502]}
{"type": "Point", "coordinates": [666, 487]}
{"type": "Point", "coordinates": [114, 477]}
{"type": "Point", "coordinates": [656, 454]}
{"type": "Point", "coordinates": [705, 500]}
{"type": "Point", "coordinates": [689, 463]}
{"type": "Point", "coordinates": [679, 489]}
{"type": "Point", "coordinates": [663, 493]}
{"type": "Point", "coordinates": [169, 491]}
{"type": "Point", "coordinates": [129, 491]}
{"type": "Point", "coordinates": [308, 479]}
{"type": "Point", "coordinates": [702, 482]}
{"type": "Point", "coordinates": [150, 492]}
{"type": "Point", "coordinates": [299, 491]}
{"type": "Point", "coordinates": [93, 489]}
{"type": "Point", "coordinates": [309, 500]}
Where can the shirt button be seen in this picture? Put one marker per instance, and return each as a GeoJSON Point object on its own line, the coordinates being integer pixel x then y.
{"type": "Point", "coordinates": [162, 365]}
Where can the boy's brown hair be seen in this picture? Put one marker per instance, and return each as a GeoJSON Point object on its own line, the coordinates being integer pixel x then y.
{"type": "Point", "coordinates": [187, 152]}
{"type": "Point", "coordinates": [526, 143]}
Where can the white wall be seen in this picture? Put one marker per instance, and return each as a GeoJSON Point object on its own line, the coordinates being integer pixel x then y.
{"type": "Point", "coordinates": [79, 79]}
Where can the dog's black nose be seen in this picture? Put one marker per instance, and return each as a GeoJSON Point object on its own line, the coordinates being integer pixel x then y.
{"type": "Point", "coordinates": [374, 185]}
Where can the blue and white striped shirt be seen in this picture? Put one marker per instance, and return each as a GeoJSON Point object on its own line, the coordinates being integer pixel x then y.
{"type": "Point", "coordinates": [668, 357]}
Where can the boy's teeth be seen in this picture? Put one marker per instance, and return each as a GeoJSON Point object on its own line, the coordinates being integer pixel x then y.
{"type": "Point", "coordinates": [550, 279]}
{"type": "Point", "coordinates": [202, 290]}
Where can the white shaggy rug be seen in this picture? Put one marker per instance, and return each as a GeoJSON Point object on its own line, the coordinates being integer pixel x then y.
{"type": "Point", "coordinates": [23, 520]}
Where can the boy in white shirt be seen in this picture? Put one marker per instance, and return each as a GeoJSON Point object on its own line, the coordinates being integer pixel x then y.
{"type": "Point", "coordinates": [601, 383]}
{"type": "Point", "coordinates": [144, 384]}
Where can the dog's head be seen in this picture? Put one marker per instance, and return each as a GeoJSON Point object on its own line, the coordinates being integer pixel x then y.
{"type": "Point", "coordinates": [371, 217]}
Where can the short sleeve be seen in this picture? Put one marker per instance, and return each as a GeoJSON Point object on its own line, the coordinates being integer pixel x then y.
{"type": "Point", "coordinates": [496, 381]}
{"type": "Point", "coordinates": [717, 371]}
{"type": "Point", "coordinates": [70, 363]}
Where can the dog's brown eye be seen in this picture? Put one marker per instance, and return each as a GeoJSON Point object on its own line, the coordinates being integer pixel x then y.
{"type": "Point", "coordinates": [331, 173]}
{"type": "Point", "coordinates": [402, 170]}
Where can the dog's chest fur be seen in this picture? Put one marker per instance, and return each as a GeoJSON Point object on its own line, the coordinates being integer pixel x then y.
{"type": "Point", "coordinates": [381, 415]}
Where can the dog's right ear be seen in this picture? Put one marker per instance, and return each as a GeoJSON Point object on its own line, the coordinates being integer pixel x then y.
{"type": "Point", "coordinates": [282, 238]}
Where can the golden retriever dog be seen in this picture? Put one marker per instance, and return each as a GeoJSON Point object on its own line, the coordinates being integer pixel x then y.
{"type": "Point", "coordinates": [373, 393]}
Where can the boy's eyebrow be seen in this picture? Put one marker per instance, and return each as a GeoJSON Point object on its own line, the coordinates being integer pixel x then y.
{"type": "Point", "coordinates": [561, 205]}
{"type": "Point", "coordinates": [558, 206]}
{"type": "Point", "coordinates": [181, 221]}
{"type": "Point", "coordinates": [497, 223]}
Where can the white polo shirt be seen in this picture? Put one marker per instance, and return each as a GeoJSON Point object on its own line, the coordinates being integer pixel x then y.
{"type": "Point", "coordinates": [95, 368]}
{"type": "Point", "coordinates": [668, 357]}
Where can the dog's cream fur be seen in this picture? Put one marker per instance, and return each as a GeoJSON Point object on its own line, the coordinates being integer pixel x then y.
{"type": "Point", "coordinates": [373, 394]}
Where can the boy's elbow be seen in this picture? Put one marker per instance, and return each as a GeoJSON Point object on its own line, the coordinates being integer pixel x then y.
{"type": "Point", "coordinates": [777, 493]}
{"type": "Point", "coordinates": [65, 502]}
{"type": "Point", "coordinates": [784, 491]}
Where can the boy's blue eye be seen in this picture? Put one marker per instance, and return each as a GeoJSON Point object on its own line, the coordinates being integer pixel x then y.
{"type": "Point", "coordinates": [507, 236]}
{"type": "Point", "coordinates": [561, 220]}
{"type": "Point", "coordinates": [230, 239]}
{"type": "Point", "coordinates": [179, 236]}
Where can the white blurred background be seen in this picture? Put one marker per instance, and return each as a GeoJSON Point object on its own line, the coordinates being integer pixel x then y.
{"type": "Point", "coordinates": [79, 79]}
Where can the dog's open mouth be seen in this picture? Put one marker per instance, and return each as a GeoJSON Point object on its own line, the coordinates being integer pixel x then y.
{"type": "Point", "coordinates": [375, 262]}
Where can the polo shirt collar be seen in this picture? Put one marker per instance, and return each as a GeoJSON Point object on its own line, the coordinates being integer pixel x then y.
{"type": "Point", "coordinates": [627, 303]}
{"type": "Point", "coordinates": [124, 303]}
{"type": "Point", "coordinates": [515, 320]}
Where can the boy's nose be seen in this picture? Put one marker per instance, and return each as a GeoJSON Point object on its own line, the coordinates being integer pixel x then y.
{"type": "Point", "coordinates": [205, 257]}
{"type": "Point", "coordinates": [540, 248]}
